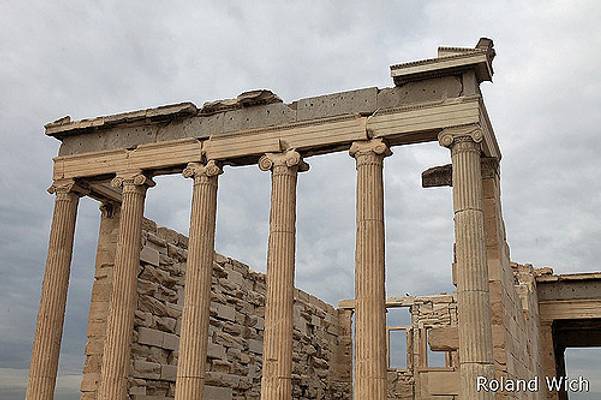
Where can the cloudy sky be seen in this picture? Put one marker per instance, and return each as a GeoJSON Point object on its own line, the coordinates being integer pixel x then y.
{"type": "Point", "coordinates": [94, 58]}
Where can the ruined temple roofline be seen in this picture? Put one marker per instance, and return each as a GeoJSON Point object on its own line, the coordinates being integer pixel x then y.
{"type": "Point", "coordinates": [366, 101]}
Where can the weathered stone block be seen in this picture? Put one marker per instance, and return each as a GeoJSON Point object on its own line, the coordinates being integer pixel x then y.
{"type": "Point", "coordinates": [168, 372]}
{"type": "Point", "coordinates": [226, 312]}
{"type": "Point", "coordinates": [215, 351]}
{"type": "Point", "coordinates": [170, 341]}
{"type": "Point", "coordinates": [147, 370]}
{"type": "Point", "coordinates": [217, 393]}
{"type": "Point", "coordinates": [149, 256]}
{"type": "Point", "coordinates": [150, 337]}
{"type": "Point", "coordinates": [255, 346]}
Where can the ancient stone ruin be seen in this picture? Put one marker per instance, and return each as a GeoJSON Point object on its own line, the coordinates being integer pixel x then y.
{"type": "Point", "coordinates": [171, 319]}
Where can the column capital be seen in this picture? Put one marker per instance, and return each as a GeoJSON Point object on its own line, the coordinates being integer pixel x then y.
{"type": "Point", "coordinates": [132, 178]}
{"type": "Point", "coordinates": [365, 147]}
{"type": "Point", "coordinates": [196, 169]}
{"type": "Point", "coordinates": [68, 186]}
{"type": "Point", "coordinates": [290, 159]}
{"type": "Point", "coordinates": [449, 136]}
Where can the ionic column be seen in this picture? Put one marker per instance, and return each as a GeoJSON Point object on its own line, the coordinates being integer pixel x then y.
{"type": "Point", "coordinates": [197, 293]}
{"type": "Point", "coordinates": [51, 314]}
{"type": "Point", "coordinates": [473, 301]}
{"type": "Point", "coordinates": [120, 321]}
{"type": "Point", "coordinates": [277, 342]}
{"type": "Point", "coordinates": [370, 295]}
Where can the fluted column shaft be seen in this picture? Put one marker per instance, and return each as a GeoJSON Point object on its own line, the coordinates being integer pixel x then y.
{"type": "Point", "coordinates": [473, 300]}
{"type": "Point", "coordinates": [53, 299]}
{"type": "Point", "coordinates": [277, 342]}
{"type": "Point", "coordinates": [120, 321]}
{"type": "Point", "coordinates": [370, 293]}
{"type": "Point", "coordinates": [197, 295]}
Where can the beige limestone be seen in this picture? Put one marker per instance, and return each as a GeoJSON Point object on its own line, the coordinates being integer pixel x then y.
{"type": "Point", "coordinates": [53, 299]}
{"type": "Point", "coordinates": [197, 296]}
{"type": "Point", "coordinates": [475, 331]}
{"type": "Point", "coordinates": [277, 344]}
{"type": "Point", "coordinates": [370, 296]}
{"type": "Point", "coordinates": [101, 293]}
{"type": "Point", "coordinates": [117, 344]}
{"type": "Point", "coordinates": [502, 323]}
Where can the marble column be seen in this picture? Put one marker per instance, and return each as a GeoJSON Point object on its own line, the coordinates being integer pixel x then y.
{"type": "Point", "coordinates": [197, 295]}
{"type": "Point", "coordinates": [53, 299]}
{"type": "Point", "coordinates": [370, 296]}
{"type": "Point", "coordinates": [473, 299]}
{"type": "Point", "coordinates": [277, 341]}
{"type": "Point", "coordinates": [120, 321]}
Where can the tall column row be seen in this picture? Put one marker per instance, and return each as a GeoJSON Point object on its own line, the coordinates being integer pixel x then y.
{"type": "Point", "coordinates": [475, 334]}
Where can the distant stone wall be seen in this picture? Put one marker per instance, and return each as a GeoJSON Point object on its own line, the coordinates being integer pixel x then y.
{"type": "Point", "coordinates": [428, 313]}
{"type": "Point", "coordinates": [235, 330]}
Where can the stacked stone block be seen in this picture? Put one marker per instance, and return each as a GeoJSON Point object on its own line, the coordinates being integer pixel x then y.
{"type": "Point", "coordinates": [236, 326]}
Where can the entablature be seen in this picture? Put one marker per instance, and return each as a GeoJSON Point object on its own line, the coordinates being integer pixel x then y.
{"type": "Point", "coordinates": [239, 131]}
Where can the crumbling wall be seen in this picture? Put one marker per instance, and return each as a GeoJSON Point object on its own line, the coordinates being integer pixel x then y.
{"type": "Point", "coordinates": [235, 329]}
{"type": "Point", "coordinates": [434, 326]}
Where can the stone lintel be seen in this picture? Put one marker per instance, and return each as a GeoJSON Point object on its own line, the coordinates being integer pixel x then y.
{"type": "Point", "coordinates": [569, 289]}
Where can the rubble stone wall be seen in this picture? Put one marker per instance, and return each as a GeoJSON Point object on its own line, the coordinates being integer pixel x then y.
{"type": "Point", "coordinates": [235, 331]}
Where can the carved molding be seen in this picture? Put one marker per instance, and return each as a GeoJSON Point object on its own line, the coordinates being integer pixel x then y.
{"type": "Point", "coordinates": [374, 146]}
{"type": "Point", "coordinates": [68, 186]}
{"type": "Point", "coordinates": [289, 159]}
{"type": "Point", "coordinates": [447, 137]}
{"type": "Point", "coordinates": [197, 170]}
{"type": "Point", "coordinates": [132, 178]}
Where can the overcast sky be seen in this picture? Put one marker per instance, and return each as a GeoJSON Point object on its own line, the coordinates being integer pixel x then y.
{"type": "Point", "coordinates": [92, 58]}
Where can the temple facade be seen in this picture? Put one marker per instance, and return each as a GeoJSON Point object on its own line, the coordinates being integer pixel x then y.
{"type": "Point", "coordinates": [171, 319]}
